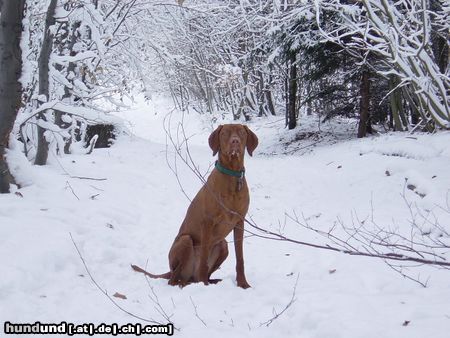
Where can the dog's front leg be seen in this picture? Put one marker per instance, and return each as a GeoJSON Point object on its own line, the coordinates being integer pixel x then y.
{"type": "Point", "coordinates": [238, 239]}
{"type": "Point", "coordinates": [204, 254]}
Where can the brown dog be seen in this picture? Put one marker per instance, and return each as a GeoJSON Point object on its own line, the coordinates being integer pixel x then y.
{"type": "Point", "coordinates": [219, 207]}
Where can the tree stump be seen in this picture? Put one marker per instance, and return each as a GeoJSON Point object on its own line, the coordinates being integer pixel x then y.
{"type": "Point", "coordinates": [106, 135]}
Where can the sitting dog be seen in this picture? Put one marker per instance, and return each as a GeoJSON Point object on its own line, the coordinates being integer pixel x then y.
{"type": "Point", "coordinates": [219, 207]}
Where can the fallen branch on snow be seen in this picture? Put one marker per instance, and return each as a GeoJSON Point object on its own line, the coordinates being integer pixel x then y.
{"type": "Point", "coordinates": [103, 291]}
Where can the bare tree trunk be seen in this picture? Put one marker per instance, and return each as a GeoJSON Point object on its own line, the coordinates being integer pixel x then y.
{"type": "Point", "coordinates": [44, 59]}
{"type": "Point", "coordinates": [269, 97]}
{"type": "Point", "coordinates": [413, 106]}
{"type": "Point", "coordinates": [269, 100]}
{"type": "Point", "coordinates": [67, 93]}
{"type": "Point", "coordinates": [364, 104]}
{"type": "Point", "coordinates": [12, 12]}
{"type": "Point", "coordinates": [286, 95]}
{"type": "Point", "coordinates": [292, 98]}
{"type": "Point", "coordinates": [245, 105]}
{"type": "Point", "coordinates": [439, 40]}
{"type": "Point", "coordinates": [396, 105]}
{"type": "Point", "coordinates": [265, 96]}
{"type": "Point", "coordinates": [260, 94]}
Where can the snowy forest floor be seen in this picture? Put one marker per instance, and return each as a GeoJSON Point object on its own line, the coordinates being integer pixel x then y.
{"type": "Point", "coordinates": [133, 215]}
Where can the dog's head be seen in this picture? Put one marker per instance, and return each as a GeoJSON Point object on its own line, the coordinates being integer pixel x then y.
{"type": "Point", "coordinates": [230, 141]}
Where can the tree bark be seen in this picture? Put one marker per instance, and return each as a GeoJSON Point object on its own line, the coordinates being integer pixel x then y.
{"type": "Point", "coordinates": [396, 104]}
{"type": "Point", "coordinates": [260, 88]}
{"type": "Point", "coordinates": [268, 95]}
{"type": "Point", "coordinates": [269, 99]}
{"type": "Point", "coordinates": [67, 92]}
{"type": "Point", "coordinates": [439, 40]}
{"type": "Point", "coordinates": [44, 60]}
{"type": "Point", "coordinates": [12, 13]}
{"type": "Point", "coordinates": [245, 105]}
{"type": "Point", "coordinates": [364, 119]}
{"type": "Point", "coordinates": [292, 91]}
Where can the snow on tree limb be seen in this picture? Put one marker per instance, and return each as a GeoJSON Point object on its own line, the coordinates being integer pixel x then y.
{"type": "Point", "coordinates": [398, 34]}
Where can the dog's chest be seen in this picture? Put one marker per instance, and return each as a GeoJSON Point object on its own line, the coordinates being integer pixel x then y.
{"type": "Point", "coordinates": [225, 226]}
{"type": "Point", "coordinates": [234, 205]}
{"type": "Point", "coordinates": [234, 209]}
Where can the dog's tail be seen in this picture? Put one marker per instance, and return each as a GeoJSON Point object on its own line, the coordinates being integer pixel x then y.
{"type": "Point", "coordinates": [166, 275]}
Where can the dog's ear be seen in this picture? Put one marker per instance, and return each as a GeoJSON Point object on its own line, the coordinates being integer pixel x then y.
{"type": "Point", "coordinates": [252, 141]}
{"type": "Point", "coordinates": [214, 142]}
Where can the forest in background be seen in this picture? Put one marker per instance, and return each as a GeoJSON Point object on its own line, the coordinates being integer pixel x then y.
{"type": "Point", "coordinates": [384, 63]}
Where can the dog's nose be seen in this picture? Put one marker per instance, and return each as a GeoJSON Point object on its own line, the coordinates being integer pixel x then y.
{"type": "Point", "coordinates": [235, 140]}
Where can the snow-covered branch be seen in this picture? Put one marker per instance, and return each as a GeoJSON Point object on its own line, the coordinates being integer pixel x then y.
{"type": "Point", "coordinates": [398, 36]}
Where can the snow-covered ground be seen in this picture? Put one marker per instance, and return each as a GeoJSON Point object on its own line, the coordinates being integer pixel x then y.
{"type": "Point", "coordinates": [133, 213]}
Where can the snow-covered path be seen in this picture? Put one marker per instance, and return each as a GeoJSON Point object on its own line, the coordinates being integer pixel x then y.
{"type": "Point", "coordinates": [133, 215]}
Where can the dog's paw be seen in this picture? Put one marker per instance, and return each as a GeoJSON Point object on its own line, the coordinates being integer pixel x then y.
{"type": "Point", "coordinates": [243, 284]}
{"type": "Point", "coordinates": [214, 281]}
